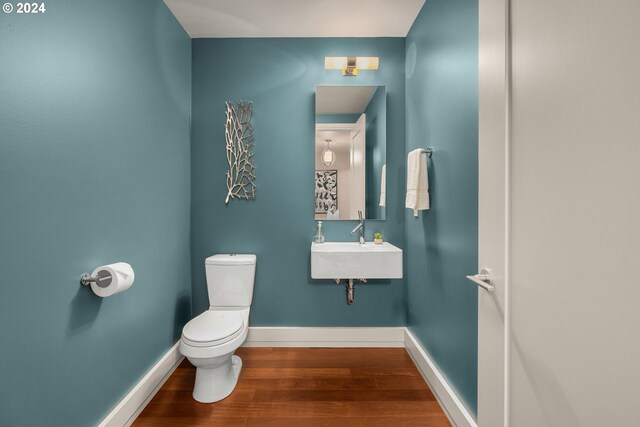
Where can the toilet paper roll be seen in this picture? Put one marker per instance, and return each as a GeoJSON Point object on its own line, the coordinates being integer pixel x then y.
{"type": "Point", "coordinates": [112, 278]}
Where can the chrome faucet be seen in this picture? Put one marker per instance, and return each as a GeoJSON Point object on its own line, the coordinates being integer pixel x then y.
{"type": "Point", "coordinates": [359, 227]}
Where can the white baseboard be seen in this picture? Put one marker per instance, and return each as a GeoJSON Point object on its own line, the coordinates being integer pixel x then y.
{"type": "Point", "coordinates": [125, 413]}
{"type": "Point", "coordinates": [324, 337]}
{"type": "Point", "coordinates": [452, 405]}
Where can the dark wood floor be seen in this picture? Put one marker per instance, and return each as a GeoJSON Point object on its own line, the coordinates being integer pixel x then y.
{"type": "Point", "coordinates": [305, 387]}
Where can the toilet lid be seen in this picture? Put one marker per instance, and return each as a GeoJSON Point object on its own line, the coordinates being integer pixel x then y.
{"type": "Point", "coordinates": [213, 328]}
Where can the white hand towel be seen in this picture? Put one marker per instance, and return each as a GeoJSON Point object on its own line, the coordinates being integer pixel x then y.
{"type": "Point", "coordinates": [417, 182]}
{"type": "Point", "coordinates": [383, 187]}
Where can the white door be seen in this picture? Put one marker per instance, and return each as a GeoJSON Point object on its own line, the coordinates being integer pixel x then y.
{"type": "Point", "coordinates": [493, 213]}
{"type": "Point", "coordinates": [358, 144]}
{"type": "Point", "coordinates": [574, 296]}
{"type": "Point", "coordinates": [558, 337]}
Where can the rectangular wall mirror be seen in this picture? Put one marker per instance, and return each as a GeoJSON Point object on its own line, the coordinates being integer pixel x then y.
{"type": "Point", "coordinates": [351, 152]}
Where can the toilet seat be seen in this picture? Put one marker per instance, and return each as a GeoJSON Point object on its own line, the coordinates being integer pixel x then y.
{"type": "Point", "coordinates": [213, 328]}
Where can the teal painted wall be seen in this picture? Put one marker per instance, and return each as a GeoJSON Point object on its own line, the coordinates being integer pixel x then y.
{"type": "Point", "coordinates": [280, 76]}
{"type": "Point", "coordinates": [442, 111]}
{"type": "Point", "coordinates": [376, 152]}
{"type": "Point", "coordinates": [94, 168]}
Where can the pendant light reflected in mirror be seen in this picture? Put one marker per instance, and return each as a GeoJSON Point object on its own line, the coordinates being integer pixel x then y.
{"type": "Point", "coordinates": [328, 156]}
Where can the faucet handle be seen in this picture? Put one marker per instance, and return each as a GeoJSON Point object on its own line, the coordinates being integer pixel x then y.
{"type": "Point", "coordinates": [360, 215]}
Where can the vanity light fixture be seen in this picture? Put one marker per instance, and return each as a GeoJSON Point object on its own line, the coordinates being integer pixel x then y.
{"type": "Point", "coordinates": [328, 156]}
{"type": "Point", "coordinates": [351, 64]}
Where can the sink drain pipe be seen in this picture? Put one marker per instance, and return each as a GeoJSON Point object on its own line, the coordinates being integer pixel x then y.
{"type": "Point", "coordinates": [349, 285]}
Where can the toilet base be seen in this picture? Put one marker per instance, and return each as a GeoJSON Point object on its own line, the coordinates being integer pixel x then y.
{"type": "Point", "coordinates": [216, 383]}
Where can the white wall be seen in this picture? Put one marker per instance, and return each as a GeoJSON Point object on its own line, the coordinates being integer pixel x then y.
{"type": "Point", "coordinates": [575, 289]}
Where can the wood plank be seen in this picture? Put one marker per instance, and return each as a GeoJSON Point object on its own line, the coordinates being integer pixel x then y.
{"type": "Point", "coordinates": [294, 409]}
{"type": "Point", "coordinates": [341, 395]}
{"type": "Point", "coordinates": [399, 382]}
{"type": "Point", "coordinates": [398, 421]}
{"type": "Point", "coordinates": [394, 370]}
{"type": "Point", "coordinates": [295, 373]}
{"type": "Point", "coordinates": [180, 382]}
{"type": "Point", "coordinates": [186, 397]}
{"type": "Point", "coordinates": [315, 384]}
{"type": "Point", "coordinates": [185, 365]}
{"type": "Point", "coordinates": [187, 421]}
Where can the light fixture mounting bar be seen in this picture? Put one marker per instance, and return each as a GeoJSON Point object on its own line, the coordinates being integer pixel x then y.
{"type": "Point", "coordinates": [350, 65]}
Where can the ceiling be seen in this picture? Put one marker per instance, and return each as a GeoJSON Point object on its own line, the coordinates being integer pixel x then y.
{"type": "Point", "coordinates": [343, 99]}
{"type": "Point", "coordinates": [295, 18]}
{"type": "Point", "coordinates": [340, 141]}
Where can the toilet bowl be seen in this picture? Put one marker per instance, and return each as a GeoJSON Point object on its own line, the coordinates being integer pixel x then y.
{"type": "Point", "coordinates": [210, 340]}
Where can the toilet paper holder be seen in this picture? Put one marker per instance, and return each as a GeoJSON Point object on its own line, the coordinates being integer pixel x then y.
{"type": "Point", "coordinates": [109, 279]}
{"type": "Point", "coordinates": [102, 279]}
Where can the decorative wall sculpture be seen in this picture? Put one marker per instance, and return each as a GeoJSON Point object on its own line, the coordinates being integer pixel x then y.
{"type": "Point", "coordinates": [326, 191]}
{"type": "Point", "coordinates": [238, 133]}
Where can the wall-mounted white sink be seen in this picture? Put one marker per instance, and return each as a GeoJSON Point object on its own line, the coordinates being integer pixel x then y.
{"type": "Point", "coordinates": [351, 260]}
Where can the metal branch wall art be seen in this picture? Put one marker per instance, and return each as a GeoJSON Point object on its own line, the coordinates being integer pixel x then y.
{"type": "Point", "coordinates": [238, 133]}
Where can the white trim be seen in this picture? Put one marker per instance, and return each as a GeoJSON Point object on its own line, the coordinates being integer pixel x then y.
{"type": "Point", "coordinates": [324, 337]}
{"type": "Point", "coordinates": [334, 126]}
{"type": "Point", "coordinates": [125, 413]}
{"type": "Point", "coordinates": [449, 401]}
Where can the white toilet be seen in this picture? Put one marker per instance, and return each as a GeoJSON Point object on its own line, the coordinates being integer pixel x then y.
{"type": "Point", "coordinates": [210, 339]}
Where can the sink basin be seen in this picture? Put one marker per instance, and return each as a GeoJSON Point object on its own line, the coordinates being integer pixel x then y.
{"type": "Point", "coordinates": [351, 260]}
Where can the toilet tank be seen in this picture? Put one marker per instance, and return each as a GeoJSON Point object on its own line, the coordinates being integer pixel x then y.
{"type": "Point", "coordinates": [230, 279]}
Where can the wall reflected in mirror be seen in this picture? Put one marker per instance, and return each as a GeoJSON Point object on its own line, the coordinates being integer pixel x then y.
{"type": "Point", "coordinates": [351, 152]}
